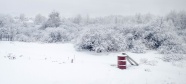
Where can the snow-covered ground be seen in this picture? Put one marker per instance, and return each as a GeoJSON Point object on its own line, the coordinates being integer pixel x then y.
{"type": "Point", "coordinates": [40, 63]}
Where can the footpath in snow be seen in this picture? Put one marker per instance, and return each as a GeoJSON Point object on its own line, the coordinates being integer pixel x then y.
{"type": "Point", "coordinates": [41, 63]}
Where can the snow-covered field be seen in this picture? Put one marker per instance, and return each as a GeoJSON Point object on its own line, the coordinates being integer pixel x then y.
{"type": "Point", "coordinates": [40, 63]}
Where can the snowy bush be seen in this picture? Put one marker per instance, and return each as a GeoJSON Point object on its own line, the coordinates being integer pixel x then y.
{"type": "Point", "coordinates": [173, 57]}
{"type": "Point", "coordinates": [134, 39]}
{"type": "Point", "coordinates": [106, 39]}
{"type": "Point", "coordinates": [52, 35]}
{"type": "Point", "coordinates": [138, 47]}
{"type": "Point", "coordinates": [22, 37]}
{"type": "Point", "coordinates": [99, 39]}
{"type": "Point", "coordinates": [172, 47]}
{"type": "Point", "coordinates": [173, 51]}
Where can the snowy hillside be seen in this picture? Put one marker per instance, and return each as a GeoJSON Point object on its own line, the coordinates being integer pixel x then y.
{"type": "Point", "coordinates": [43, 63]}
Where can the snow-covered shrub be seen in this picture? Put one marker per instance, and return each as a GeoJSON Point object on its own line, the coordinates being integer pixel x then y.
{"type": "Point", "coordinates": [160, 35]}
{"type": "Point", "coordinates": [134, 39]}
{"type": "Point", "coordinates": [22, 37]}
{"type": "Point", "coordinates": [170, 47]}
{"type": "Point", "coordinates": [100, 39]}
{"type": "Point", "coordinates": [138, 47]}
{"type": "Point", "coordinates": [173, 50]}
{"type": "Point", "coordinates": [154, 35]}
{"type": "Point", "coordinates": [52, 35]}
{"type": "Point", "coordinates": [173, 57]}
{"type": "Point", "coordinates": [71, 30]}
{"type": "Point", "coordinates": [110, 38]}
{"type": "Point", "coordinates": [90, 40]}
{"type": "Point", "coordinates": [182, 33]}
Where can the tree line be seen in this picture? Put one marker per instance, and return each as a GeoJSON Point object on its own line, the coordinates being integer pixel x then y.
{"type": "Point", "coordinates": [115, 33]}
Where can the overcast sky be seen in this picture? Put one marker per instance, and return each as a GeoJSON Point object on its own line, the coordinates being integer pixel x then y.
{"type": "Point", "coordinates": [93, 8]}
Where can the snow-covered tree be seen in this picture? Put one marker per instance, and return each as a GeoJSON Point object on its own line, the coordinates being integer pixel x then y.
{"type": "Point", "coordinates": [39, 19]}
{"type": "Point", "coordinates": [7, 27]}
{"type": "Point", "coordinates": [22, 17]}
{"type": "Point", "coordinates": [53, 20]}
{"type": "Point", "coordinates": [77, 19]}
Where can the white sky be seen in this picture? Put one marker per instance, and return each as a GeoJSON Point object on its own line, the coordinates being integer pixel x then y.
{"type": "Point", "coordinates": [93, 8]}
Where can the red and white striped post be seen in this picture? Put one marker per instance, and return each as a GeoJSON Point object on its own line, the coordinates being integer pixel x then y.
{"type": "Point", "coordinates": [122, 62]}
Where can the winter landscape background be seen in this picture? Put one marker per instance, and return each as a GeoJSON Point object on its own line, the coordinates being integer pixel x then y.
{"type": "Point", "coordinates": [115, 33]}
{"type": "Point", "coordinates": [39, 48]}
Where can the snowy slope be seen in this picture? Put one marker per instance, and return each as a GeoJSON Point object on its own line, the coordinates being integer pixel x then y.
{"type": "Point", "coordinates": [39, 63]}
